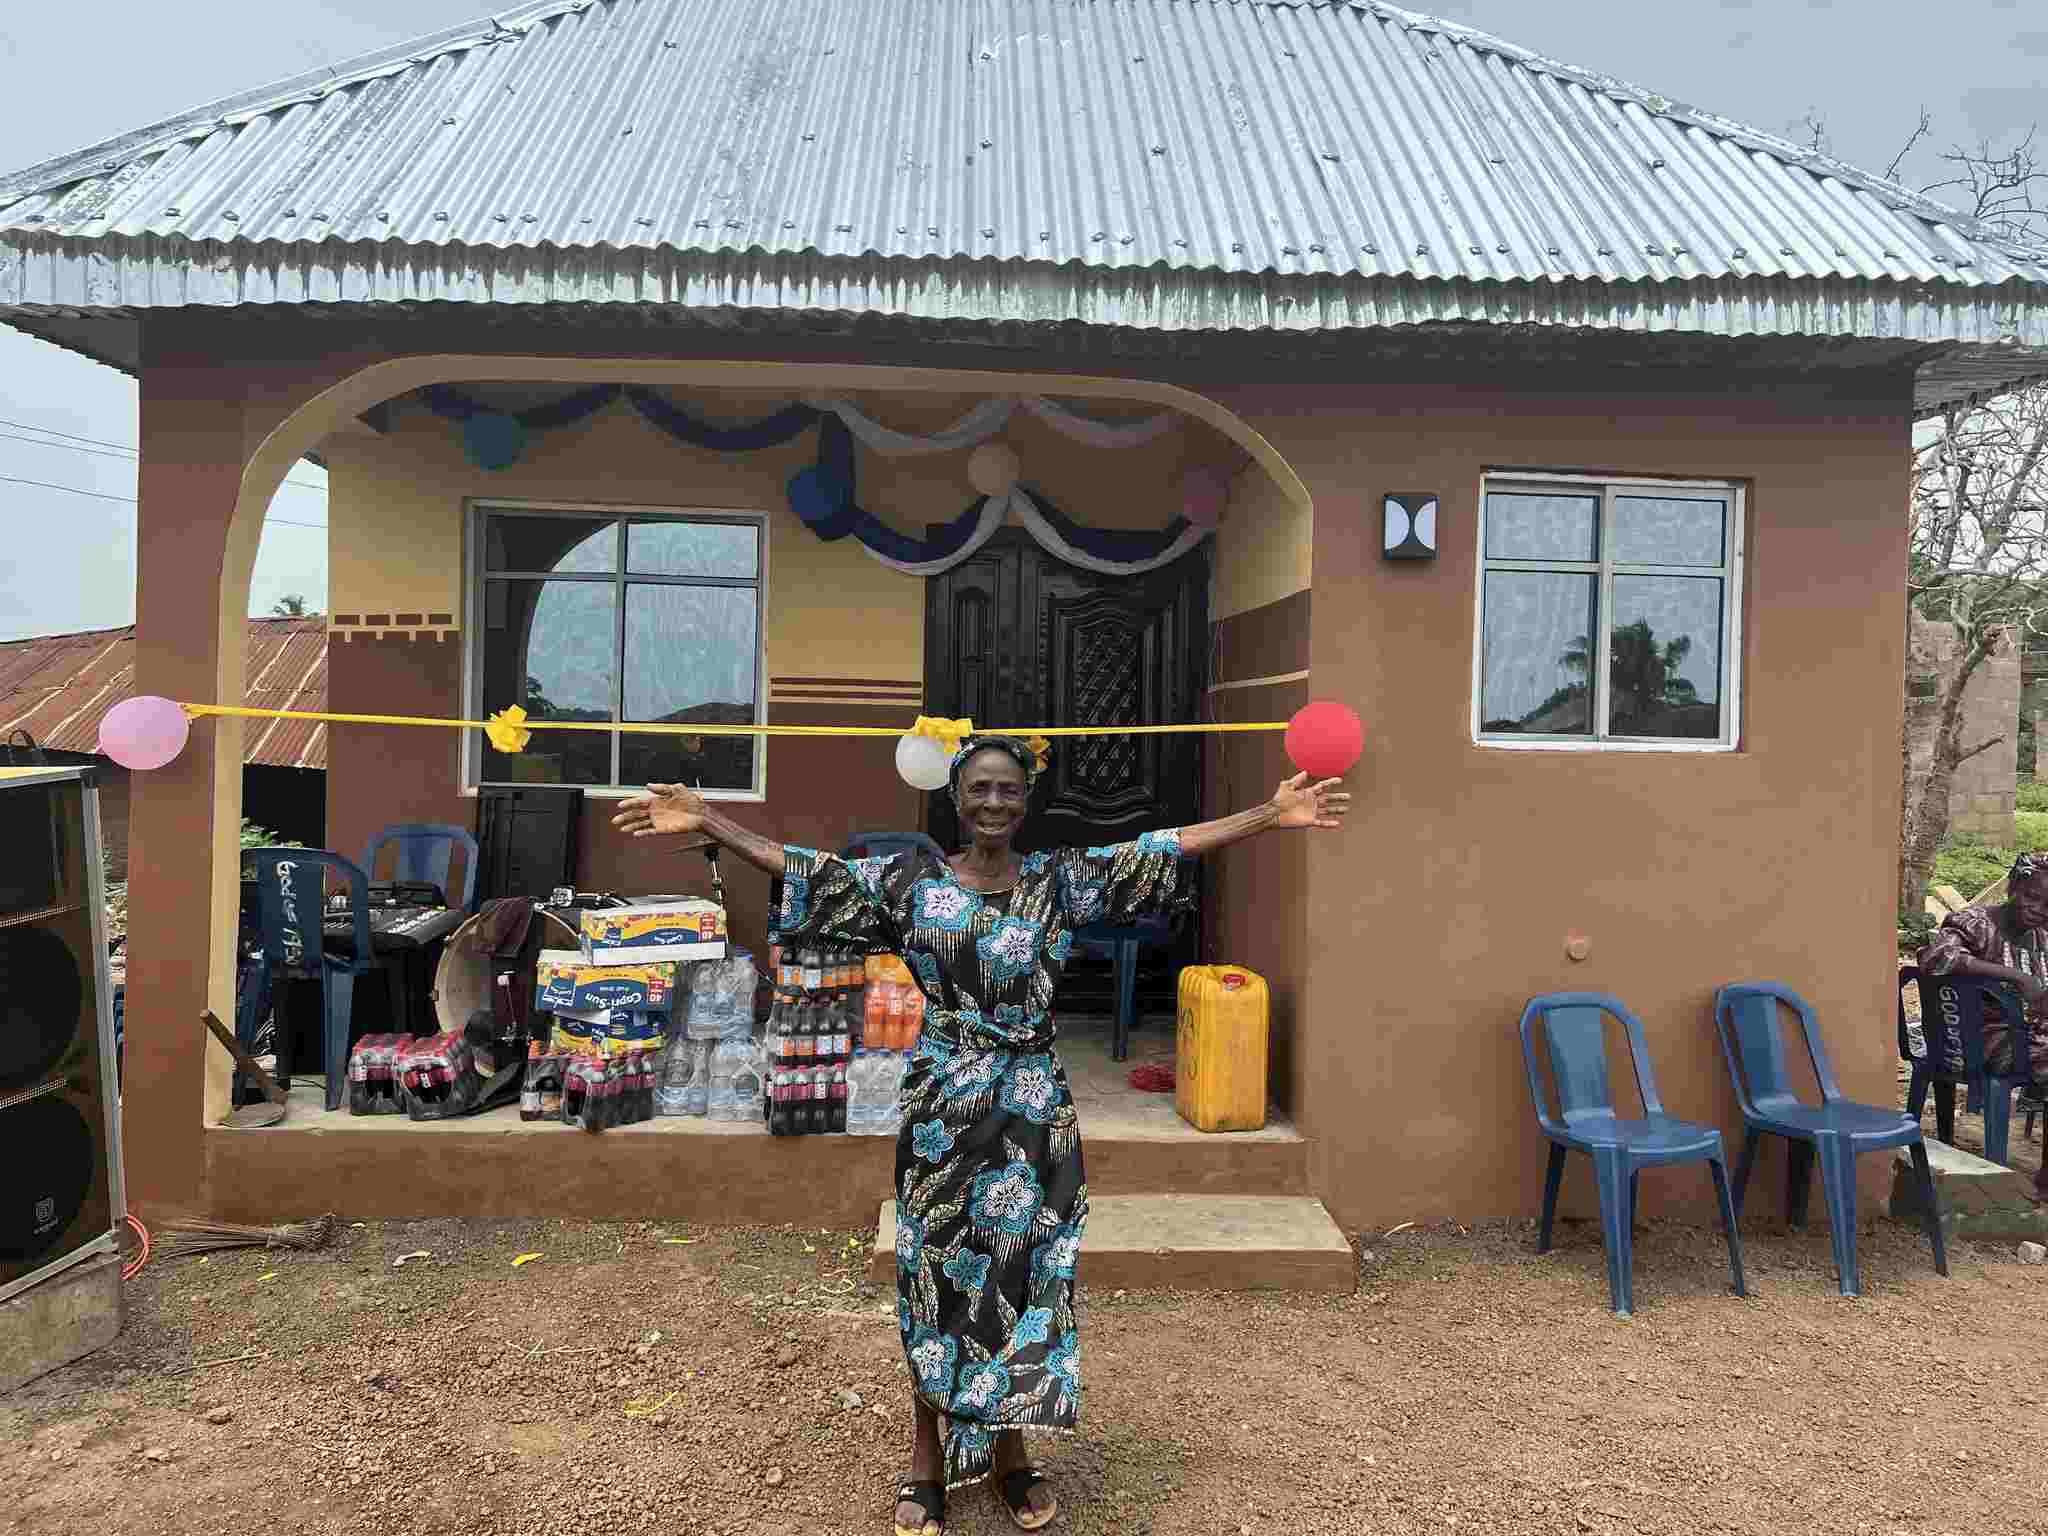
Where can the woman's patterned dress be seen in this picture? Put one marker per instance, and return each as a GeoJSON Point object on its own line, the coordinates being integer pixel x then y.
{"type": "Point", "coordinates": [991, 1196]}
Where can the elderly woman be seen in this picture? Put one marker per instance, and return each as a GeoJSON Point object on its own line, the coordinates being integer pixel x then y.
{"type": "Point", "coordinates": [991, 1198]}
{"type": "Point", "coordinates": [2008, 942]}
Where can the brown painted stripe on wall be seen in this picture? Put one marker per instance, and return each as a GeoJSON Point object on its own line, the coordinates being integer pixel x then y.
{"type": "Point", "coordinates": [1263, 642]}
{"type": "Point", "coordinates": [868, 684]}
{"type": "Point", "coordinates": [841, 712]}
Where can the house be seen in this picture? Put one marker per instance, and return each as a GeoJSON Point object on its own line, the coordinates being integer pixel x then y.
{"type": "Point", "coordinates": [56, 689]}
{"type": "Point", "coordinates": [657, 352]}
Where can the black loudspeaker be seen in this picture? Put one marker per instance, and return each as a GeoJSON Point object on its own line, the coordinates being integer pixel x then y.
{"type": "Point", "coordinates": [61, 1198]}
{"type": "Point", "coordinates": [527, 841]}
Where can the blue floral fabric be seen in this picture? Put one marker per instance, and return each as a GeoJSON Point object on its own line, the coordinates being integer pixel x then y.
{"type": "Point", "coordinates": [991, 1192]}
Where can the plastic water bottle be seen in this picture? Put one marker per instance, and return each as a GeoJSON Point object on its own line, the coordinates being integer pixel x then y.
{"type": "Point", "coordinates": [859, 1100]}
{"type": "Point", "coordinates": [734, 1084]}
{"type": "Point", "coordinates": [884, 1089]}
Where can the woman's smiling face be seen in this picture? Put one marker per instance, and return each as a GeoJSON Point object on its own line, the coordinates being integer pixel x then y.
{"type": "Point", "coordinates": [992, 796]}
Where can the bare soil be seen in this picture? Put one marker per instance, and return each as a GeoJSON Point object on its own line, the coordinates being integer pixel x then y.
{"type": "Point", "coordinates": [741, 1381]}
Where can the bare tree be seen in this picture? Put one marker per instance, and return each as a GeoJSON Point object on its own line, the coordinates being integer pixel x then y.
{"type": "Point", "coordinates": [1979, 549]}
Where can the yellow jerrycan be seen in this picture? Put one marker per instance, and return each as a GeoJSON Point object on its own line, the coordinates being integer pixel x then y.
{"type": "Point", "coordinates": [1219, 1074]}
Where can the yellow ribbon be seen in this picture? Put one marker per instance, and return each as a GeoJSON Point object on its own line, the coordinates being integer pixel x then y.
{"type": "Point", "coordinates": [947, 733]}
{"type": "Point", "coordinates": [525, 727]}
{"type": "Point", "coordinates": [1041, 749]}
{"type": "Point", "coordinates": [507, 731]}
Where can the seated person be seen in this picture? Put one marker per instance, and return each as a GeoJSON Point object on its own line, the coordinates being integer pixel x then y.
{"type": "Point", "coordinates": [2008, 942]}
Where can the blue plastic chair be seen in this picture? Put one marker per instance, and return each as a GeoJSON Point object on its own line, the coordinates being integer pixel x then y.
{"type": "Point", "coordinates": [291, 903]}
{"type": "Point", "coordinates": [1835, 1132]}
{"type": "Point", "coordinates": [425, 851]}
{"type": "Point", "coordinates": [880, 845]}
{"type": "Point", "coordinates": [1575, 1031]}
{"type": "Point", "coordinates": [1121, 947]}
{"type": "Point", "coordinates": [1951, 1054]}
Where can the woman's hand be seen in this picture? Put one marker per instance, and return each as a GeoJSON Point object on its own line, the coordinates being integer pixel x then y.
{"type": "Point", "coordinates": [1298, 803]}
{"type": "Point", "coordinates": [666, 810]}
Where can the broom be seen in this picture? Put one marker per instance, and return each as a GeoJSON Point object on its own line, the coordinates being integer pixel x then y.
{"type": "Point", "coordinates": [180, 1238]}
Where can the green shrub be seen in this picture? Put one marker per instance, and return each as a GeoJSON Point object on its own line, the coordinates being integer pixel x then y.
{"type": "Point", "coordinates": [2030, 830]}
{"type": "Point", "coordinates": [2033, 797]}
{"type": "Point", "coordinates": [254, 836]}
{"type": "Point", "coordinates": [1970, 866]}
{"type": "Point", "coordinates": [1915, 929]}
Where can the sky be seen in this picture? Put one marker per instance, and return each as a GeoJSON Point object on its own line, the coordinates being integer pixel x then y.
{"type": "Point", "coordinates": [1864, 68]}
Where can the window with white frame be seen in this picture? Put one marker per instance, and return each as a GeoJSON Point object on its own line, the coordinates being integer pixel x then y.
{"type": "Point", "coordinates": [617, 615]}
{"type": "Point", "coordinates": [1607, 612]}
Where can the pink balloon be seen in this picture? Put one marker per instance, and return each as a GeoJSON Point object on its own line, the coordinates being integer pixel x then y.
{"type": "Point", "coordinates": [1203, 494]}
{"type": "Point", "coordinates": [144, 732]}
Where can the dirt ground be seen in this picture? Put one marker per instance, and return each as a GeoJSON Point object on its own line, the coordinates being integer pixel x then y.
{"type": "Point", "coordinates": [647, 1379]}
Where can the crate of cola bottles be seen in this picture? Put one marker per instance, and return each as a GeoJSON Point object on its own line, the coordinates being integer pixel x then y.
{"type": "Point", "coordinates": [838, 1038]}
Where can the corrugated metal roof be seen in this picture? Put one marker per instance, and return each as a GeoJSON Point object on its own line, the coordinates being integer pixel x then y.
{"type": "Point", "coordinates": [57, 687]}
{"type": "Point", "coordinates": [1178, 164]}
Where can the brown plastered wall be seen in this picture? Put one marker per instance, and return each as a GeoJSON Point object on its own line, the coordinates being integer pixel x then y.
{"type": "Point", "coordinates": [1261, 560]}
{"type": "Point", "coordinates": [1445, 902]}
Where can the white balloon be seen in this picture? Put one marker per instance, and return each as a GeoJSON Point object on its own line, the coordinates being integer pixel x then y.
{"type": "Point", "coordinates": [922, 762]}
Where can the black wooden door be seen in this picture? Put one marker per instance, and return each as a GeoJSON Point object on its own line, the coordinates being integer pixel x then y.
{"type": "Point", "coordinates": [1015, 637]}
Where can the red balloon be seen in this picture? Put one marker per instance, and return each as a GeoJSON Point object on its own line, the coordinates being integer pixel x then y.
{"type": "Point", "coordinates": [1325, 739]}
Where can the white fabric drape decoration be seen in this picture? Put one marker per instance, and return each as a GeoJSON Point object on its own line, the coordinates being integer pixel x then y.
{"type": "Point", "coordinates": [1099, 434]}
{"type": "Point", "coordinates": [988, 418]}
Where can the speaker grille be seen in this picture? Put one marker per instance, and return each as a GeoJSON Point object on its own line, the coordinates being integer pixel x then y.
{"type": "Point", "coordinates": [51, 1156]}
{"type": "Point", "coordinates": [41, 993]}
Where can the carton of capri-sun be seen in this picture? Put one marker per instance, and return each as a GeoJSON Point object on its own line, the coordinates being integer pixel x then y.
{"type": "Point", "coordinates": [566, 983]}
{"type": "Point", "coordinates": [683, 931]}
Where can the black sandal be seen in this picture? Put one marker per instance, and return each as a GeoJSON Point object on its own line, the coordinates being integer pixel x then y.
{"type": "Point", "coordinates": [1016, 1491]}
{"type": "Point", "coordinates": [929, 1497]}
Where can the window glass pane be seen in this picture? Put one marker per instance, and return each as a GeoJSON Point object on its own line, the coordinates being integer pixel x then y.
{"type": "Point", "coordinates": [557, 542]}
{"type": "Point", "coordinates": [1669, 530]}
{"type": "Point", "coordinates": [1665, 676]}
{"type": "Point", "coordinates": [550, 646]}
{"type": "Point", "coordinates": [1536, 672]}
{"type": "Point", "coordinates": [1525, 526]}
{"type": "Point", "coordinates": [664, 547]}
{"type": "Point", "coordinates": [690, 658]}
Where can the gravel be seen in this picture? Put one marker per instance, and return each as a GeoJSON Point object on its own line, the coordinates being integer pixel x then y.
{"type": "Point", "coordinates": [1470, 1385]}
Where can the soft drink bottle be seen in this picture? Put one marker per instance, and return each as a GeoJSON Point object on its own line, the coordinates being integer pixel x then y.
{"type": "Point", "coordinates": [842, 1033]}
{"type": "Point", "coordinates": [913, 1017]}
{"type": "Point", "coordinates": [821, 1100]}
{"type": "Point", "coordinates": [529, 1084]}
{"type": "Point", "coordinates": [898, 1019]}
{"type": "Point", "coordinates": [814, 971]}
{"type": "Point", "coordinates": [778, 1103]}
{"type": "Point", "coordinates": [838, 1099]}
{"type": "Point", "coordinates": [874, 1017]}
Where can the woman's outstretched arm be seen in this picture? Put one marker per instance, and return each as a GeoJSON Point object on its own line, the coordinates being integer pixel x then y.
{"type": "Point", "coordinates": [676, 810]}
{"type": "Point", "coordinates": [1296, 803]}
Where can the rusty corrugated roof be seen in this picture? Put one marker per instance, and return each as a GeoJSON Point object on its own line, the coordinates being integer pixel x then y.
{"type": "Point", "coordinates": [57, 687]}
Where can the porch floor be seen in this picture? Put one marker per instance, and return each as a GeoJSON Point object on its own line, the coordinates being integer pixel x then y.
{"type": "Point", "coordinates": [1110, 1108]}
{"type": "Point", "coordinates": [674, 1168]}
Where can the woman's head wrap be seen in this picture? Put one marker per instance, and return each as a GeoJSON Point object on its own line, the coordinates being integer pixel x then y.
{"type": "Point", "coordinates": [2028, 866]}
{"type": "Point", "coordinates": [1030, 756]}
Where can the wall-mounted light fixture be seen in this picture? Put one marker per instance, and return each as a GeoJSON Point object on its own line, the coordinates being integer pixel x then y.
{"type": "Point", "coordinates": [1411, 526]}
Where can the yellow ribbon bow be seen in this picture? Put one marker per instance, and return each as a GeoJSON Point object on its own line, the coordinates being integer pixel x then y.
{"type": "Point", "coordinates": [507, 730]}
{"type": "Point", "coordinates": [1041, 749]}
{"type": "Point", "coordinates": [947, 733]}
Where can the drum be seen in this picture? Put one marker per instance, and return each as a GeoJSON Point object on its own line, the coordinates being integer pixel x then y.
{"type": "Point", "coordinates": [465, 976]}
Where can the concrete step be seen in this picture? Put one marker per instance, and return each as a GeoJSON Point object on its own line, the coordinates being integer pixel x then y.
{"type": "Point", "coordinates": [1193, 1242]}
{"type": "Point", "coordinates": [1979, 1200]}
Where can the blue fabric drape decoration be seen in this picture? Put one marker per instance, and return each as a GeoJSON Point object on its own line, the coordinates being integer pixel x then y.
{"type": "Point", "coordinates": [824, 493]}
{"type": "Point", "coordinates": [769, 432]}
{"type": "Point", "coordinates": [1124, 547]}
